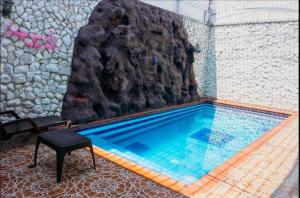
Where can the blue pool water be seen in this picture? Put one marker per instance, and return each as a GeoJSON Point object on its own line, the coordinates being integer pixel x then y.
{"type": "Point", "coordinates": [187, 143]}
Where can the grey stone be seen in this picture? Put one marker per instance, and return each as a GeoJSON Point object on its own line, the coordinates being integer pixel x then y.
{"type": "Point", "coordinates": [11, 48]}
{"type": "Point", "coordinates": [10, 95]}
{"type": "Point", "coordinates": [19, 53]}
{"type": "Point", "coordinates": [5, 78]}
{"type": "Point", "coordinates": [38, 109]}
{"type": "Point", "coordinates": [37, 78]}
{"type": "Point", "coordinates": [3, 52]}
{"type": "Point", "coordinates": [19, 44]}
{"type": "Point", "coordinates": [59, 96]}
{"type": "Point", "coordinates": [32, 115]}
{"type": "Point", "coordinates": [10, 86]}
{"type": "Point", "coordinates": [28, 87]}
{"type": "Point", "coordinates": [64, 78]}
{"type": "Point", "coordinates": [52, 68]}
{"type": "Point", "coordinates": [26, 59]}
{"type": "Point", "coordinates": [67, 40]}
{"type": "Point", "coordinates": [19, 109]}
{"type": "Point", "coordinates": [28, 104]}
{"type": "Point", "coordinates": [19, 10]}
{"type": "Point", "coordinates": [34, 67]}
{"type": "Point", "coordinates": [59, 42]}
{"type": "Point", "coordinates": [45, 75]}
{"type": "Point", "coordinates": [39, 56]}
{"type": "Point", "coordinates": [50, 95]}
{"type": "Point", "coordinates": [53, 107]}
{"type": "Point", "coordinates": [19, 78]}
{"type": "Point", "coordinates": [36, 91]}
{"type": "Point", "coordinates": [64, 64]}
{"type": "Point", "coordinates": [52, 89]}
{"type": "Point", "coordinates": [3, 89]}
{"type": "Point", "coordinates": [22, 96]}
{"type": "Point", "coordinates": [57, 78]}
{"type": "Point", "coordinates": [8, 69]}
{"type": "Point", "coordinates": [30, 96]}
{"type": "Point", "coordinates": [42, 95]}
{"type": "Point", "coordinates": [63, 55]}
{"type": "Point", "coordinates": [62, 89]}
{"type": "Point", "coordinates": [14, 102]}
{"type": "Point", "coordinates": [50, 82]}
{"type": "Point", "coordinates": [45, 101]}
{"type": "Point", "coordinates": [46, 89]}
{"type": "Point", "coordinates": [29, 76]}
{"type": "Point", "coordinates": [5, 42]}
{"type": "Point", "coordinates": [54, 101]}
{"type": "Point", "coordinates": [46, 107]}
{"type": "Point", "coordinates": [37, 101]}
{"type": "Point", "coordinates": [21, 69]}
{"type": "Point", "coordinates": [26, 25]}
{"type": "Point", "coordinates": [11, 58]}
{"type": "Point", "coordinates": [65, 71]}
{"type": "Point", "coordinates": [2, 98]}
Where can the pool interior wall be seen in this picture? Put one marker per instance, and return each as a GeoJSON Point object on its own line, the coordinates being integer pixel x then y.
{"type": "Point", "coordinates": [187, 143]}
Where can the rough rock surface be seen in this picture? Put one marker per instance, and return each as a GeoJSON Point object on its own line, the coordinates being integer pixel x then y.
{"type": "Point", "coordinates": [130, 57]}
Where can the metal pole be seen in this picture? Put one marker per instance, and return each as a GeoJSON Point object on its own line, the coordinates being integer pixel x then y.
{"type": "Point", "coordinates": [177, 6]}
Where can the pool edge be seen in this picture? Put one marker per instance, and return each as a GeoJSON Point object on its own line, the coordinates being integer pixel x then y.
{"type": "Point", "coordinates": [214, 176]}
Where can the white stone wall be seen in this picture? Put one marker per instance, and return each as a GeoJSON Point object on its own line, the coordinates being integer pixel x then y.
{"type": "Point", "coordinates": [33, 81]}
{"type": "Point", "coordinates": [254, 63]}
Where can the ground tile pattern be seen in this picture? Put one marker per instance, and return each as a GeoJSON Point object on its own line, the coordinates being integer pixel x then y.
{"type": "Point", "coordinates": [79, 178]}
{"type": "Point", "coordinates": [269, 171]}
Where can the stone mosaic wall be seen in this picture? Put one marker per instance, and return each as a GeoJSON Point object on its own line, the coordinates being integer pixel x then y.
{"type": "Point", "coordinates": [254, 63]}
{"type": "Point", "coordinates": [34, 81]}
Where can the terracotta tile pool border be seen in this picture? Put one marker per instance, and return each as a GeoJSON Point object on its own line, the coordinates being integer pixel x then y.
{"type": "Point", "coordinates": [216, 175]}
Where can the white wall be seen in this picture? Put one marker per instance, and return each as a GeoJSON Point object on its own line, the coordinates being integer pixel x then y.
{"type": "Point", "coordinates": [254, 63]}
{"type": "Point", "coordinates": [245, 11]}
{"type": "Point", "coordinates": [253, 53]}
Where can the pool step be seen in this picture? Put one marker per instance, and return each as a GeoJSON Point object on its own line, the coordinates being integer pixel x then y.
{"type": "Point", "coordinates": [115, 126]}
{"type": "Point", "coordinates": [127, 134]}
{"type": "Point", "coordinates": [125, 130]}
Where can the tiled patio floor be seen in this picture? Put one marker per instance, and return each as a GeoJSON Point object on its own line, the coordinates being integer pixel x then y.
{"type": "Point", "coordinates": [79, 178]}
{"type": "Point", "coordinates": [263, 174]}
{"type": "Point", "coordinates": [267, 172]}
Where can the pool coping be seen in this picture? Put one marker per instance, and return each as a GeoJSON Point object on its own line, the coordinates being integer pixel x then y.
{"type": "Point", "coordinates": [213, 177]}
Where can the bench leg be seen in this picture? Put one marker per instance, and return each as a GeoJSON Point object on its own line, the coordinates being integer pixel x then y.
{"type": "Point", "coordinates": [35, 153]}
{"type": "Point", "coordinates": [92, 152]}
{"type": "Point", "coordinates": [59, 164]}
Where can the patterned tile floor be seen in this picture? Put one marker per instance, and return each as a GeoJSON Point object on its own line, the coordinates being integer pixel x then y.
{"type": "Point", "coordinates": [268, 172]}
{"type": "Point", "coordinates": [79, 178]}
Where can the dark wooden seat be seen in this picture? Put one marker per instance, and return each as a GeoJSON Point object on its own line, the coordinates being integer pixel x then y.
{"type": "Point", "coordinates": [62, 141]}
{"type": "Point", "coordinates": [23, 125]}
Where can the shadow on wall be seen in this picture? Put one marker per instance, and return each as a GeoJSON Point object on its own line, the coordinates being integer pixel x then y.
{"type": "Point", "coordinates": [209, 76]}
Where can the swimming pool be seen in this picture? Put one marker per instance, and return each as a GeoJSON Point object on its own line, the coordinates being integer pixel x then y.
{"type": "Point", "coordinates": [187, 143]}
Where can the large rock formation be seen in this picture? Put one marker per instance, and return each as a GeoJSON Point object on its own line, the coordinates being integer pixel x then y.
{"type": "Point", "coordinates": [130, 57]}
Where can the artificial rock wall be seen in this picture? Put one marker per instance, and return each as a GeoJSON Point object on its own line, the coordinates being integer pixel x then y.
{"type": "Point", "coordinates": [129, 58]}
